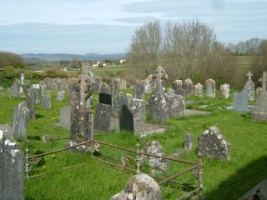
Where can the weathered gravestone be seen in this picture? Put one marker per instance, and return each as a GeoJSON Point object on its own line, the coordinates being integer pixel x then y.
{"type": "Point", "coordinates": [102, 117]}
{"type": "Point", "coordinates": [210, 88]}
{"type": "Point", "coordinates": [199, 90]}
{"type": "Point", "coordinates": [260, 113]}
{"type": "Point", "coordinates": [30, 100]}
{"type": "Point", "coordinates": [259, 192]}
{"type": "Point", "coordinates": [250, 87]}
{"type": "Point", "coordinates": [158, 164]}
{"type": "Point", "coordinates": [7, 131]}
{"type": "Point", "coordinates": [46, 101]}
{"type": "Point", "coordinates": [105, 88]}
{"type": "Point", "coordinates": [241, 101]}
{"type": "Point", "coordinates": [139, 90]}
{"type": "Point", "coordinates": [212, 144]}
{"type": "Point", "coordinates": [15, 90]}
{"type": "Point", "coordinates": [37, 91]}
{"type": "Point", "coordinates": [177, 84]}
{"type": "Point", "coordinates": [140, 187]}
{"type": "Point", "coordinates": [65, 115]}
{"type": "Point", "coordinates": [11, 170]}
{"type": "Point", "coordinates": [61, 95]}
{"type": "Point", "coordinates": [115, 84]}
{"type": "Point", "coordinates": [175, 105]}
{"type": "Point", "coordinates": [126, 120]}
{"type": "Point", "coordinates": [188, 142]}
{"type": "Point", "coordinates": [122, 84]}
{"type": "Point", "coordinates": [98, 83]}
{"type": "Point", "coordinates": [20, 120]}
{"type": "Point", "coordinates": [189, 87]}
{"type": "Point", "coordinates": [225, 91]}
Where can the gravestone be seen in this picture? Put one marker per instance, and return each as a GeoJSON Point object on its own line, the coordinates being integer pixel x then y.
{"type": "Point", "coordinates": [250, 87]}
{"type": "Point", "coordinates": [61, 95]}
{"type": "Point", "coordinates": [65, 114]}
{"type": "Point", "coordinates": [115, 84]}
{"type": "Point", "coordinates": [21, 82]}
{"type": "Point", "coordinates": [225, 91]}
{"type": "Point", "coordinates": [7, 131]}
{"type": "Point", "coordinates": [176, 105]}
{"type": "Point", "coordinates": [105, 88]}
{"type": "Point", "coordinates": [158, 108]}
{"type": "Point", "coordinates": [189, 87]}
{"type": "Point", "coordinates": [158, 165]}
{"type": "Point", "coordinates": [199, 90]}
{"type": "Point", "coordinates": [140, 187]}
{"type": "Point", "coordinates": [20, 121]}
{"type": "Point", "coordinates": [139, 90]}
{"type": "Point", "coordinates": [46, 101]}
{"type": "Point", "coordinates": [15, 90]}
{"type": "Point", "coordinates": [126, 120]}
{"type": "Point", "coordinates": [122, 84]}
{"type": "Point", "coordinates": [98, 83]}
{"type": "Point", "coordinates": [37, 93]}
{"type": "Point", "coordinates": [210, 88]}
{"type": "Point", "coordinates": [11, 170]}
{"type": "Point", "coordinates": [120, 100]}
{"type": "Point", "coordinates": [260, 113]}
{"type": "Point", "coordinates": [258, 192]}
{"type": "Point", "coordinates": [105, 98]}
{"type": "Point", "coordinates": [241, 101]}
{"type": "Point", "coordinates": [102, 117]}
{"type": "Point", "coordinates": [212, 144]}
{"type": "Point", "coordinates": [188, 142]}
{"type": "Point", "coordinates": [30, 100]}
{"type": "Point", "coordinates": [177, 84]}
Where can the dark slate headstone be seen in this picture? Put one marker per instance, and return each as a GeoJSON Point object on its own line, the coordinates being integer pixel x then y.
{"type": "Point", "coordinates": [102, 117]}
{"type": "Point", "coordinates": [126, 120]}
{"type": "Point", "coordinates": [105, 98]}
{"type": "Point", "coordinates": [11, 170]}
{"type": "Point", "coordinates": [20, 120]}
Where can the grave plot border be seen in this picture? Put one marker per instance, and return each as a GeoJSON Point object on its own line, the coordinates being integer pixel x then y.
{"type": "Point", "coordinates": [195, 169]}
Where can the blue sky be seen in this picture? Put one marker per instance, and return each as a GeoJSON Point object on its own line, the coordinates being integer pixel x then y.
{"type": "Point", "coordinates": [107, 26]}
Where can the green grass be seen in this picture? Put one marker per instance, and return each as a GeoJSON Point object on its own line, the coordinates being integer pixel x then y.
{"type": "Point", "coordinates": [70, 175]}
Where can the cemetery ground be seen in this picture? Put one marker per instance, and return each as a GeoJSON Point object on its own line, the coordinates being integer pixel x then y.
{"type": "Point", "coordinates": [72, 175]}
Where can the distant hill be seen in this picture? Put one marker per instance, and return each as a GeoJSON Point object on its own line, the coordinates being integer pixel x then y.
{"type": "Point", "coordinates": [62, 56]}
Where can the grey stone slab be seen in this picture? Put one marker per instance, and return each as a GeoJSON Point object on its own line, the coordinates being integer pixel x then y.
{"type": "Point", "coordinates": [65, 115]}
{"type": "Point", "coordinates": [102, 117]}
{"type": "Point", "coordinates": [241, 101]}
{"type": "Point", "coordinates": [20, 120]}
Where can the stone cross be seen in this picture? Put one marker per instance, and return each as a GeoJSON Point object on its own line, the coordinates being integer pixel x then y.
{"type": "Point", "coordinates": [85, 84]}
{"type": "Point", "coordinates": [249, 75]}
{"type": "Point", "coordinates": [159, 83]}
{"type": "Point", "coordinates": [22, 79]}
{"type": "Point", "coordinates": [264, 80]}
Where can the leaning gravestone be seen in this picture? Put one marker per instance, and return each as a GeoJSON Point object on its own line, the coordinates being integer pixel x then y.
{"type": "Point", "coordinates": [46, 101]}
{"type": "Point", "coordinates": [11, 170]}
{"type": "Point", "coordinates": [126, 120]}
{"type": "Point", "coordinates": [140, 187]}
{"type": "Point", "coordinates": [158, 165]}
{"type": "Point", "coordinates": [102, 117]}
{"type": "Point", "coordinates": [20, 121]}
{"type": "Point", "coordinates": [260, 113]}
{"type": "Point", "coordinates": [225, 91]}
{"type": "Point", "coordinates": [212, 144]}
{"type": "Point", "coordinates": [210, 88]}
{"type": "Point", "coordinates": [250, 87]}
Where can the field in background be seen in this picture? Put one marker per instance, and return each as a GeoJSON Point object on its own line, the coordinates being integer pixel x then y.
{"type": "Point", "coordinates": [70, 175]}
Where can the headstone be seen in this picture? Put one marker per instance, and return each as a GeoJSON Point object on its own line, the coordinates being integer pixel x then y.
{"type": "Point", "coordinates": [15, 90]}
{"type": "Point", "coordinates": [21, 82]}
{"type": "Point", "coordinates": [65, 114]}
{"type": "Point", "coordinates": [7, 131]}
{"type": "Point", "coordinates": [250, 87]}
{"type": "Point", "coordinates": [177, 84]}
{"type": "Point", "coordinates": [158, 165]}
{"type": "Point", "coordinates": [225, 91]}
{"type": "Point", "coordinates": [210, 88]}
{"type": "Point", "coordinates": [105, 98]}
{"type": "Point", "coordinates": [212, 144]}
{"type": "Point", "coordinates": [199, 90]}
{"type": "Point", "coordinates": [11, 170]}
{"type": "Point", "coordinates": [140, 187]}
{"type": "Point", "coordinates": [260, 113]}
{"type": "Point", "coordinates": [102, 117]}
{"type": "Point", "coordinates": [188, 87]}
{"type": "Point", "coordinates": [181, 91]}
{"type": "Point", "coordinates": [126, 120]}
{"type": "Point", "coordinates": [137, 108]}
{"type": "Point", "coordinates": [122, 84]}
{"type": "Point", "coordinates": [98, 83]}
{"type": "Point", "coordinates": [188, 142]}
{"type": "Point", "coordinates": [105, 88]}
{"type": "Point", "coordinates": [115, 84]}
{"type": "Point", "coordinates": [176, 105]}
{"type": "Point", "coordinates": [46, 101]}
{"type": "Point", "coordinates": [140, 90]}
{"type": "Point", "coordinates": [241, 101]}
{"type": "Point", "coordinates": [37, 93]}
{"type": "Point", "coordinates": [258, 192]}
{"type": "Point", "coordinates": [30, 100]}
{"type": "Point", "coordinates": [158, 108]}
{"type": "Point", "coordinates": [20, 121]}
{"type": "Point", "coordinates": [160, 76]}
{"type": "Point", "coordinates": [61, 95]}
{"type": "Point", "coordinates": [120, 100]}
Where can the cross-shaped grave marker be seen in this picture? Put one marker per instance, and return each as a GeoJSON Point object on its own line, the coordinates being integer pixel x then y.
{"type": "Point", "coordinates": [249, 75]}
{"type": "Point", "coordinates": [263, 79]}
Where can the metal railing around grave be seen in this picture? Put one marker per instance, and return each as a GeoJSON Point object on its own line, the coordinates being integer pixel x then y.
{"type": "Point", "coordinates": [195, 169]}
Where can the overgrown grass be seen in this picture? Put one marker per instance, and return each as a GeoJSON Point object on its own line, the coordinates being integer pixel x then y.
{"type": "Point", "coordinates": [72, 175]}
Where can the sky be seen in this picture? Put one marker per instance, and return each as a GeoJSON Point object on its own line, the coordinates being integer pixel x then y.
{"type": "Point", "coordinates": [107, 26]}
